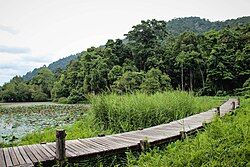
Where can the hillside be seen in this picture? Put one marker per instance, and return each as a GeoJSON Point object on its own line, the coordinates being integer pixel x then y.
{"type": "Point", "coordinates": [59, 64]}
{"type": "Point", "coordinates": [196, 24]}
{"type": "Point", "coordinates": [149, 60]}
{"type": "Point", "coordinates": [175, 26]}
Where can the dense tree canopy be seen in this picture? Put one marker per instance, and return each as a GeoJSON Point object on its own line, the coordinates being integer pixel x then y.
{"type": "Point", "coordinates": [149, 59]}
{"type": "Point", "coordinates": [37, 89]}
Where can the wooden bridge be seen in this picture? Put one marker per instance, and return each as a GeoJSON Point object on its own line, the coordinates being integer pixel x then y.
{"type": "Point", "coordinates": [31, 155]}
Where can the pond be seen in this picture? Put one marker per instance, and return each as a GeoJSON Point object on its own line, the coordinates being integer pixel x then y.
{"type": "Point", "coordinates": [16, 120]}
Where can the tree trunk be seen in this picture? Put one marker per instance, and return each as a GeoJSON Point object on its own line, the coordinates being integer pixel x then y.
{"type": "Point", "coordinates": [182, 79]}
{"type": "Point", "coordinates": [191, 80]}
{"type": "Point", "coordinates": [202, 78]}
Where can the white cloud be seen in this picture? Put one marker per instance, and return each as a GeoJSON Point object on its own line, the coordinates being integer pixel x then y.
{"type": "Point", "coordinates": [8, 29]}
{"type": "Point", "coordinates": [13, 50]}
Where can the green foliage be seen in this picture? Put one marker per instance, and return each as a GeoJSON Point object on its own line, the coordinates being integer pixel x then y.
{"type": "Point", "coordinates": [45, 80]}
{"type": "Point", "coordinates": [129, 82]}
{"type": "Point", "coordinates": [225, 142]}
{"type": "Point", "coordinates": [39, 96]}
{"type": "Point", "coordinates": [132, 111]}
{"type": "Point", "coordinates": [63, 100]}
{"type": "Point", "coordinates": [193, 58]}
{"type": "Point", "coordinates": [16, 90]}
{"type": "Point", "coordinates": [38, 89]}
{"type": "Point", "coordinates": [155, 81]}
{"type": "Point", "coordinates": [196, 24]}
{"type": "Point", "coordinates": [54, 67]}
{"type": "Point", "coordinates": [151, 60]}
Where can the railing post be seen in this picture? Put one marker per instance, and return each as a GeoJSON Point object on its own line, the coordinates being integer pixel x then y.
{"type": "Point", "coordinates": [183, 135]}
{"type": "Point", "coordinates": [204, 124]}
{"type": "Point", "coordinates": [144, 145]}
{"type": "Point", "coordinates": [238, 101]}
{"type": "Point", "coordinates": [233, 105]}
{"type": "Point", "coordinates": [60, 146]}
{"type": "Point", "coordinates": [218, 111]}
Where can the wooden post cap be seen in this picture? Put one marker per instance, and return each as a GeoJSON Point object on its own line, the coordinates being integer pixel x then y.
{"type": "Point", "coordinates": [60, 133]}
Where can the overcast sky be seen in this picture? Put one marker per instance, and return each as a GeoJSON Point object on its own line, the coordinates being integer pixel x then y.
{"type": "Point", "coordinates": [38, 32]}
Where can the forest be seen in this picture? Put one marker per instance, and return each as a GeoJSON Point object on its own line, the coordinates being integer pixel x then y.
{"type": "Point", "coordinates": [150, 59]}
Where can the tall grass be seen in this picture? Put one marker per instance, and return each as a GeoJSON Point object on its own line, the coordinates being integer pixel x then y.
{"type": "Point", "coordinates": [225, 142]}
{"type": "Point", "coordinates": [132, 111]}
{"type": "Point", "coordinates": [114, 113]}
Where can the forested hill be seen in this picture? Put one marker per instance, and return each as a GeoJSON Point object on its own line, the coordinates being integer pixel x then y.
{"type": "Point", "coordinates": [59, 64]}
{"type": "Point", "coordinates": [174, 26]}
{"type": "Point", "coordinates": [196, 24]}
{"type": "Point", "coordinates": [150, 59]}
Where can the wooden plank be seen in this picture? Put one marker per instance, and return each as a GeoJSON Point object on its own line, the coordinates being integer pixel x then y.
{"type": "Point", "coordinates": [96, 145]}
{"type": "Point", "coordinates": [176, 126]}
{"type": "Point", "coordinates": [24, 155]}
{"type": "Point", "coordinates": [157, 134]}
{"type": "Point", "coordinates": [37, 153]}
{"type": "Point", "coordinates": [85, 147]}
{"type": "Point", "coordinates": [126, 143]}
{"type": "Point", "coordinates": [73, 150]}
{"type": "Point", "coordinates": [69, 153]}
{"type": "Point", "coordinates": [92, 145]}
{"type": "Point", "coordinates": [19, 156]}
{"type": "Point", "coordinates": [13, 156]}
{"type": "Point", "coordinates": [49, 150]}
{"type": "Point", "coordinates": [7, 157]}
{"type": "Point", "coordinates": [132, 140]}
{"type": "Point", "coordinates": [33, 158]}
{"type": "Point", "coordinates": [42, 149]}
{"type": "Point", "coordinates": [108, 144]}
{"type": "Point", "coordinates": [78, 151]}
{"type": "Point", "coordinates": [141, 137]}
{"type": "Point", "coordinates": [2, 159]}
{"type": "Point", "coordinates": [135, 139]}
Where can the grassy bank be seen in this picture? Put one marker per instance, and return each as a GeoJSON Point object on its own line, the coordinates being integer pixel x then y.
{"type": "Point", "coordinates": [114, 113]}
{"type": "Point", "coordinates": [225, 142]}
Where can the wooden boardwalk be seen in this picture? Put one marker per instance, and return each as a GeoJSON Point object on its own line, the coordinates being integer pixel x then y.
{"type": "Point", "coordinates": [31, 155]}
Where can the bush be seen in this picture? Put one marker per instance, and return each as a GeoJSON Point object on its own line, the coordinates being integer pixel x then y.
{"type": "Point", "coordinates": [76, 97]}
{"type": "Point", "coordinates": [39, 96]}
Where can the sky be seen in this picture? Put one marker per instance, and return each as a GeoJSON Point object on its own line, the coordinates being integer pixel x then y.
{"type": "Point", "coordinates": [38, 32]}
